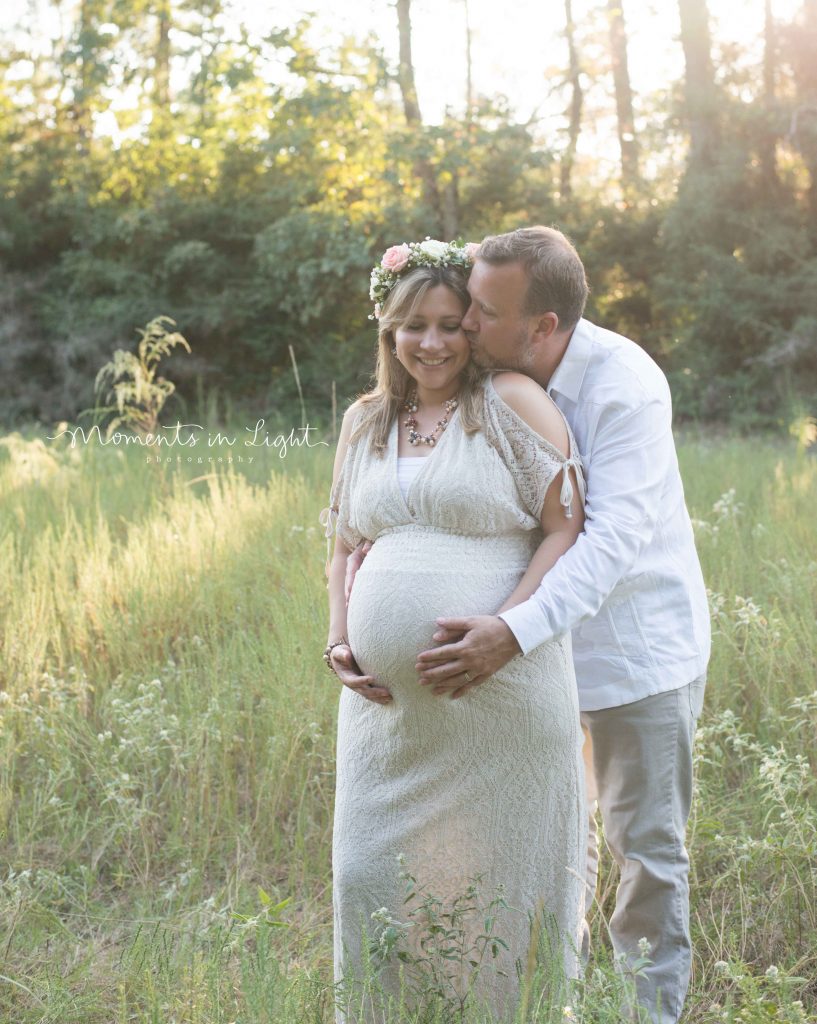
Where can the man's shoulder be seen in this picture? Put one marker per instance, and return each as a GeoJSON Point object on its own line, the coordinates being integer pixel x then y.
{"type": "Point", "coordinates": [619, 368]}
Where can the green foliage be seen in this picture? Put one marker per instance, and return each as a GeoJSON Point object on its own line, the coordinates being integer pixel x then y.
{"type": "Point", "coordinates": [443, 946]}
{"type": "Point", "coordinates": [738, 292]}
{"type": "Point", "coordinates": [750, 999]}
{"type": "Point", "coordinates": [139, 395]}
{"type": "Point", "coordinates": [251, 201]}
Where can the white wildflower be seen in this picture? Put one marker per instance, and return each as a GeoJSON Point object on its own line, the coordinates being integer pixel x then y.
{"type": "Point", "coordinates": [748, 614]}
{"type": "Point", "coordinates": [727, 506]}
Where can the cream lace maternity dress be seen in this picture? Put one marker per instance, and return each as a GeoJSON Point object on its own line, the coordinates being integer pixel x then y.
{"type": "Point", "coordinates": [490, 784]}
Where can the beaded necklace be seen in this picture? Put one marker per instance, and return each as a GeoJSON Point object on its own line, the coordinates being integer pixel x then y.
{"type": "Point", "coordinates": [414, 436]}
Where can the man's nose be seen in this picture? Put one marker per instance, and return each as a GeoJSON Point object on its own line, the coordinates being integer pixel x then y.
{"type": "Point", "coordinates": [469, 321]}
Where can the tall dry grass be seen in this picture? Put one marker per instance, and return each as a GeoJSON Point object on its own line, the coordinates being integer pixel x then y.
{"type": "Point", "coordinates": [167, 739]}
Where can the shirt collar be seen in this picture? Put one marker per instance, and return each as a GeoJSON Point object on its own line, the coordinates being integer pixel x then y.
{"type": "Point", "coordinates": [568, 376]}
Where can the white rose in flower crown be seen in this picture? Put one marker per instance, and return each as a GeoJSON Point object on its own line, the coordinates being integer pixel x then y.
{"type": "Point", "coordinates": [434, 248]}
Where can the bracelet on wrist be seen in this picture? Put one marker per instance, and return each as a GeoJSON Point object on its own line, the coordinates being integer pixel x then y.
{"type": "Point", "coordinates": [327, 654]}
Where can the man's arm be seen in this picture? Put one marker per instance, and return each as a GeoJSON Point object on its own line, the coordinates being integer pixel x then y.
{"type": "Point", "coordinates": [631, 451]}
{"type": "Point", "coordinates": [487, 641]}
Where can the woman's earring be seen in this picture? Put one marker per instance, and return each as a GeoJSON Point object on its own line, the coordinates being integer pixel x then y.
{"type": "Point", "coordinates": [394, 351]}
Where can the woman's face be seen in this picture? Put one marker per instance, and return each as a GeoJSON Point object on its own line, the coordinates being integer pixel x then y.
{"type": "Point", "coordinates": [432, 345]}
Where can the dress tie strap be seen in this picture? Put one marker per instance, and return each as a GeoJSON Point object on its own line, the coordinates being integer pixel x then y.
{"type": "Point", "coordinates": [566, 495]}
{"type": "Point", "coordinates": [328, 519]}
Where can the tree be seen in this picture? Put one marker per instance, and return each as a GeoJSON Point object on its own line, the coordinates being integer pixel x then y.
{"type": "Point", "coordinates": [628, 144]}
{"type": "Point", "coordinates": [405, 74]}
{"type": "Point", "coordinates": [768, 141]}
{"type": "Point", "coordinates": [161, 63]}
{"type": "Point", "coordinates": [699, 82]}
{"type": "Point", "coordinates": [443, 212]}
{"type": "Point", "coordinates": [576, 100]}
{"type": "Point", "coordinates": [804, 120]}
{"type": "Point", "coordinates": [469, 78]}
{"type": "Point", "coordinates": [85, 69]}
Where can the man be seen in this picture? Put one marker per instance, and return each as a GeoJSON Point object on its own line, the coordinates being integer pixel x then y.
{"type": "Point", "coordinates": [630, 589]}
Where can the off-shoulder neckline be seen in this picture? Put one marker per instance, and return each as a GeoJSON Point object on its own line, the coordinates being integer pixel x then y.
{"type": "Point", "coordinates": [543, 440]}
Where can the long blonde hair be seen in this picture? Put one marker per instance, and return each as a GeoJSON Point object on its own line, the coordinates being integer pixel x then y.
{"type": "Point", "coordinates": [393, 383]}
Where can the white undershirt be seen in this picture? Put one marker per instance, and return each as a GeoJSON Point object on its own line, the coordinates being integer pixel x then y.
{"type": "Point", "coordinates": [408, 466]}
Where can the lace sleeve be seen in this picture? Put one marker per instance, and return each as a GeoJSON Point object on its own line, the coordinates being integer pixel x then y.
{"type": "Point", "coordinates": [337, 517]}
{"type": "Point", "coordinates": [533, 461]}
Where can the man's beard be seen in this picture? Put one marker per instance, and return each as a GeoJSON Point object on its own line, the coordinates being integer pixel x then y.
{"type": "Point", "coordinates": [483, 360]}
{"type": "Point", "coordinates": [520, 357]}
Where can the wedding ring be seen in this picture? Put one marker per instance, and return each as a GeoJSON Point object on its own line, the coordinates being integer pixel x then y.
{"type": "Point", "coordinates": [468, 677]}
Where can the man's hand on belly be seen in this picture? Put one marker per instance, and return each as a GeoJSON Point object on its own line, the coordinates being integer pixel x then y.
{"type": "Point", "coordinates": [485, 644]}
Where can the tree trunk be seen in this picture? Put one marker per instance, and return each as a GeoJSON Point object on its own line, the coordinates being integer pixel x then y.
{"type": "Point", "coordinates": [804, 121]}
{"type": "Point", "coordinates": [769, 52]}
{"type": "Point", "coordinates": [406, 70]}
{"type": "Point", "coordinates": [469, 80]}
{"type": "Point", "coordinates": [422, 166]}
{"type": "Point", "coordinates": [624, 96]}
{"type": "Point", "coordinates": [84, 83]}
{"type": "Point", "coordinates": [576, 100]}
{"type": "Point", "coordinates": [161, 59]}
{"type": "Point", "coordinates": [451, 207]}
{"type": "Point", "coordinates": [701, 99]}
{"type": "Point", "coordinates": [768, 137]}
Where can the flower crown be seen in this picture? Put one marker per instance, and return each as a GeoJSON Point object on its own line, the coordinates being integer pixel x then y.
{"type": "Point", "coordinates": [400, 258]}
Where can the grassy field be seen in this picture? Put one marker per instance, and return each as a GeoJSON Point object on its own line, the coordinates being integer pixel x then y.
{"type": "Point", "coordinates": [167, 739]}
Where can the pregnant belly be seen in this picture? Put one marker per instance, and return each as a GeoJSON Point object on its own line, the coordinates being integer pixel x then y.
{"type": "Point", "coordinates": [412, 577]}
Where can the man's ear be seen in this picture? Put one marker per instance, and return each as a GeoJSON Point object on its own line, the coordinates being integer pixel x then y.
{"type": "Point", "coordinates": [546, 326]}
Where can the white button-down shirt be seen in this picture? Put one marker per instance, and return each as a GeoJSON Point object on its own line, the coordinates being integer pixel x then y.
{"type": "Point", "coordinates": [630, 588]}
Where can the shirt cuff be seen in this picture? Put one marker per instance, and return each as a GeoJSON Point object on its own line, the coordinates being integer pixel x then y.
{"type": "Point", "coordinates": [525, 622]}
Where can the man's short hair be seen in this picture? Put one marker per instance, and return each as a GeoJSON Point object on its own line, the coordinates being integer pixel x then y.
{"type": "Point", "coordinates": [556, 279]}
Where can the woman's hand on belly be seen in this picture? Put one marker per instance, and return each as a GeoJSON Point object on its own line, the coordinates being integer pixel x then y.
{"type": "Point", "coordinates": [349, 674]}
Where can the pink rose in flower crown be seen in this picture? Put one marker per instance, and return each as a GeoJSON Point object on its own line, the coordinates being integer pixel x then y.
{"type": "Point", "coordinates": [396, 258]}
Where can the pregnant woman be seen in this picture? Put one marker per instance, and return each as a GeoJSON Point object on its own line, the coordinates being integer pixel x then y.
{"type": "Point", "coordinates": [470, 489]}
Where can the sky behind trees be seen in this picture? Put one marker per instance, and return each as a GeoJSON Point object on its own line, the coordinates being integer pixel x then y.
{"type": "Point", "coordinates": [518, 46]}
{"type": "Point", "coordinates": [239, 169]}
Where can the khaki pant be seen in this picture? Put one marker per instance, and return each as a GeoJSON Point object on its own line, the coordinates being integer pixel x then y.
{"type": "Point", "coordinates": [638, 761]}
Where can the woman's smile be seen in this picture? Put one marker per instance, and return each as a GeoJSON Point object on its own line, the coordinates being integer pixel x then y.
{"type": "Point", "coordinates": [432, 347]}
